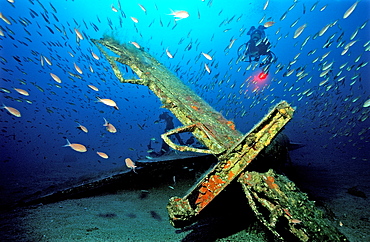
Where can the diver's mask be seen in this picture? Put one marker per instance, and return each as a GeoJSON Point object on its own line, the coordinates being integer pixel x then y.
{"type": "Point", "coordinates": [256, 35]}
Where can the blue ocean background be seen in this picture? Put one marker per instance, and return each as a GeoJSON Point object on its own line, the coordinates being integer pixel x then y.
{"type": "Point", "coordinates": [330, 118]}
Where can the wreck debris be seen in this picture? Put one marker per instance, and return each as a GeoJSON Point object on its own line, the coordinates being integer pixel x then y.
{"type": "Point", "coordinates": [273, 198]}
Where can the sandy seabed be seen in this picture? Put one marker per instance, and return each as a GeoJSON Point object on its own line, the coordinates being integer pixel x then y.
{"type": "Point", "coordinates": [119, 217]}
{"type": "Point", "coordinates": [124, 216]}
{"type": "Point", "coordinates": [134, 215]}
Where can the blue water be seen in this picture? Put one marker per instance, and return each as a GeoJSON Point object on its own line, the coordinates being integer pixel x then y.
{"type": "Point", "coordinates": [326, 117]}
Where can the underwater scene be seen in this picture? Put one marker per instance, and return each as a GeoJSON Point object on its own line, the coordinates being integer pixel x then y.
{"type": "Point", "coordinates": [93, 93]}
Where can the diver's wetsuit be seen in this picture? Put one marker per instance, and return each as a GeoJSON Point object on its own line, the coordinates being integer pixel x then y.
{"type": "Point", "coordinates": [169, 125]}
{"type": "Point", "coordinates": [257, 46]}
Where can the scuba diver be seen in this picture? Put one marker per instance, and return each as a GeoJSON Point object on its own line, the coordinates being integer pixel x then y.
{"type": "Point", "coordinates": [257, 46]}
{"type": "Point", "coordinates": [165, 148]}
{"type": "Point", "coordinates": [168, 119]}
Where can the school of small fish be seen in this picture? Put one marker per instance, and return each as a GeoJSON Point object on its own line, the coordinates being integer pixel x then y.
{"type": "Point", "coordinates": [70, 80]}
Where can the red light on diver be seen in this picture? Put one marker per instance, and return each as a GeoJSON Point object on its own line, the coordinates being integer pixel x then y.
{"type": "Point", "coordinates": [262, 75]}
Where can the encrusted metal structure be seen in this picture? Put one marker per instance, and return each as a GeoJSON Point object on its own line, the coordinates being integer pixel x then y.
{"type": "Point", "coordinates": [273, 198]}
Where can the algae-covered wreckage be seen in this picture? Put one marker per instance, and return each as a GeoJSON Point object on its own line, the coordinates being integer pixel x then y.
{"type": "Point", "coordinates": [275, 200]}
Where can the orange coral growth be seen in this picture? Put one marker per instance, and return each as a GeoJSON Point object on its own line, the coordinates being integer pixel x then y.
{"type": "Point", "coordinates": [203, 203]}
{"type": "Point", "coordinates": [216, 180]}
{"type": "Point", "coordinates": [214, 183]}
{"type": "Point", "coordinates": [270, 182]}
{"type": "Point", "coordinates": [231, 124]}
{"type": "Point", "coordinates": [230, 175]}
{"type": "Point", "coordinates": [208, 190]}
{"type": "Point", "coordinates": [227, 165]}
{"type": "Point", "coordinates": [212, 186]}
{"type": "Point", "coordinates": [204, 199]}
{"type": "Point", "coordinates": [203, 190]}
{"type": "Point", "coordinates": [246, 178]}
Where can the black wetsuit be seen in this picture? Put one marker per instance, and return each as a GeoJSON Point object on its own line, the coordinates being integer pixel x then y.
{"type": "Point", "coordinates": [257, 46]}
